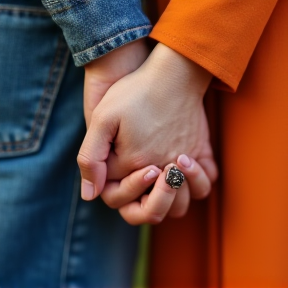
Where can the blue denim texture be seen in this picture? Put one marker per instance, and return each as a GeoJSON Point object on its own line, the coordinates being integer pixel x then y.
{"type": "Point", "coordinates": [93, 28]}
{"type": "Point", "coordinates": [49, 237]}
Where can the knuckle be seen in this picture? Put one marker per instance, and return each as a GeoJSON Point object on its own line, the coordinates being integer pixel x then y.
{"type": "Point", "coordinates": [178, 214]}
{"type": "Point", "coordinates": [195, 172]}
{"type": "Point", "coordinates": [103, 119]}
{"type": "Point", "coordinates": [99, 117]}
{"type": "Point", "coordinates": [133, 222]}
{"type": "Point", "coordinates": [112, 198]}
{"type": "Point", "coordinates": [132, 187]}
{"type": "Point", "coordinates": [170, 192]}
{"type": "Point", "coordinates": [154, 218]}
{"type": "Point", "coordinates": [85, 162]}
{"type": "Point", "coordinates": [214, 174]}
{"type": "Point", "coordinates": [203, 191]}
{"type": "Point", "coordinates": [111, 203]}
{"type": "Point", "coordinates": [206, 189]}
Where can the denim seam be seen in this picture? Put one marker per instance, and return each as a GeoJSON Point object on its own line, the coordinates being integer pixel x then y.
{"type": "Point", "coordinates": [69, 231]}
{"type": "Point", "coordinates": [45, 104]}
{"type": "Point", "coordinates": [54, 11]}
{"type": "Point", "coordinates": [93, 52]}
{"type": "Point", "coordinates": [19, 9]}
{"type": "Point", "coordinates": [112, 38]}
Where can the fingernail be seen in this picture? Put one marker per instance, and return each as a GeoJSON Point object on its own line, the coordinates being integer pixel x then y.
{"type": "Point", "coordinates": [185, 161]}
{"type": "Point", "coordinates": [87, 190]}
{"type": "Point", "coordinates": [151, 174]}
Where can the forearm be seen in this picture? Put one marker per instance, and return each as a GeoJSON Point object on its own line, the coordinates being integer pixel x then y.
{"type": "Point", "coordinates": [167, 66]}
{"type": "Point", "coordinates": [218, 35]}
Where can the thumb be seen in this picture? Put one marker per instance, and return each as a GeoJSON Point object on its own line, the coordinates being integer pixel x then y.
{"type": "Point", "coordinates": [93, 154]}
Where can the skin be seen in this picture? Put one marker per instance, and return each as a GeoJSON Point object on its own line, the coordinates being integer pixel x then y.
{"type": "Point", "coordinates": [153, 108]}
{"type": "Point", "coordinates": [102, 73]}
{"type": "Point", "coordinates": [137, 208]}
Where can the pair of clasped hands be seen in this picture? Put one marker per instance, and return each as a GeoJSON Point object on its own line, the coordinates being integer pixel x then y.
{"type": "Point", "coordinates": [144, 114]}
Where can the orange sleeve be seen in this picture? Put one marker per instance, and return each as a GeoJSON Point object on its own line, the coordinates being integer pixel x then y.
{"type": "Point", "coordinates": [219, 35]}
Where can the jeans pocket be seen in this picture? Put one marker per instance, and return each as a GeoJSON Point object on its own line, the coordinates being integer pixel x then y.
{"type": "Point", "coordinates": [33, 58]}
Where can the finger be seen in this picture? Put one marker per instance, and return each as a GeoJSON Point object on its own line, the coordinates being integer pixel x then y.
{"type": "Point", "coordinates": [206, 160]}
{"type": "Point", "coordinates": [181, 202]}
{"type": "Point", "coordinates": [120, 193]}
{"type": "Point", "coordinates": [210, 168]}
{"type": "Point", "coordinates": [94, 90]}
{"type": "Point", "coordinates": [93, 153]}
{"type": "Point", "coordinates": [198, 182]}
{"type": "Point", "coordinates": [116, 169]}
{"type": "Point", "coordinates": [153, 207]}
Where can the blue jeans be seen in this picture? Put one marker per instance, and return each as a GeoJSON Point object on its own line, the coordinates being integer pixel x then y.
{"type": "Point", "coordinates": [49, 237]}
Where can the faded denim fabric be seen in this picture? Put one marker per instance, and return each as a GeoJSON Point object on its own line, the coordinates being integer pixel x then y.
{"type": "Point", "coordinates": [49, 237]}
{"type": "Point", "coordinates": [93, 28]}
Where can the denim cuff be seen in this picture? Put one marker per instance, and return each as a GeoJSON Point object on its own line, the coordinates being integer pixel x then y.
{"type": "Point", "coordinates": [93, 28]}
{"type": "Point", "coordinates": [110, 44]}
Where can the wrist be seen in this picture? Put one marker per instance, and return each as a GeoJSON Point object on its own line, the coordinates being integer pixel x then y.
{"type": "Point", "coordinates": [166, 63]}
{"type": "Point", "coordinates": [119, 62]}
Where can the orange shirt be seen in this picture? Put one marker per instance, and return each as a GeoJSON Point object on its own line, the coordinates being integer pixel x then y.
{"type": "Point", "coordinates": [219, 35]}
{"type": "Point", "coordinates": [238, 236]}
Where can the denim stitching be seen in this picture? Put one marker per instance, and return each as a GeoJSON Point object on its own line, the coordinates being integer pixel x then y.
{"type": "Point", "coordinates": [128, 36]}
{"type": "Point", "coordinates": [111, 39]}
{"type": "Point", "coordinates": [62, 9]}
{"type": "Point", "coordinates": [46, 102]}
{"type": "Point", "coordinates": [18, 10]}
{"type": "Point", "coordinates": [43, 98]}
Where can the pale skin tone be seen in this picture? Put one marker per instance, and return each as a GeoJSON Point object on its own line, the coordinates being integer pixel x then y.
{"type": "Point", "coordinates": [162, 200]}
{"type": "Point", "coordinates": [152, 115]}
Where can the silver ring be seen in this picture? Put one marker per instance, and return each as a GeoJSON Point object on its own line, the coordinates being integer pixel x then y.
{"type": "Point", "coordinates": [174, 178]}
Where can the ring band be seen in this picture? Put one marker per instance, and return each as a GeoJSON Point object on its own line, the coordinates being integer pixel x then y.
{"type": "Point", "coordinates": [174, 178]}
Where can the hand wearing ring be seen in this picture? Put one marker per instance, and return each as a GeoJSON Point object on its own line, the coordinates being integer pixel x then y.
{"type": "Point", "coordinates": [136, 207]}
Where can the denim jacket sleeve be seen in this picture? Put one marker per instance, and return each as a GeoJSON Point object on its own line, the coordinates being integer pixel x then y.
{"type": "Point", "coordinates": [93, 28]}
